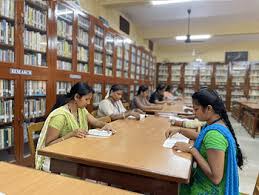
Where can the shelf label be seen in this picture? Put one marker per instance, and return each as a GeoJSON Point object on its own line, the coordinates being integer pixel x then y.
{"type": "Point", "coordinates": [20, 71]}
{"type": "Point", "coordinates": [75, 76]}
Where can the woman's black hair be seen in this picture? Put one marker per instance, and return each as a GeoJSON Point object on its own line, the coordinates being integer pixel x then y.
{"type": "Point", "coordinates": [205, 97]}
{"type": "Point", "coordinates": [160, 87]}
{"type": "Point", "coordinates": [116, 87]}
{"type": "Point", "coordinates": [79, 88]}
{"type": "Point", "coordinates": [142, 88]}
{"type": "Point", "coordinates": [169, 88]}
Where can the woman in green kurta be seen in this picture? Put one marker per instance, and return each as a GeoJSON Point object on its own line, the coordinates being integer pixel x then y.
{"type": "Point", "coordinates": [216, 151]}
{"type": "Point", "coordinates": [69, 119]}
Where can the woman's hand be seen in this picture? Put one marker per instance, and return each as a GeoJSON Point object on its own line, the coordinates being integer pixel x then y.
{"type": "Point", "coordinates": [135, 114]}
{"type": "Point", "coordinates": [171, 132]}
{"type": "Point", "coordinates": [184, 147]}
{"type": "Point", "coordinates": [138, 110]}
{"type": "Point", "coordinates": [80, 133]}
{"type": "Point", "coordinates": [108, 127]}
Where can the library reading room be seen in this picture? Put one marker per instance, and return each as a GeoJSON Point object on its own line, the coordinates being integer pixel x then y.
{"type": "Point", "coordinates": [151, 97]}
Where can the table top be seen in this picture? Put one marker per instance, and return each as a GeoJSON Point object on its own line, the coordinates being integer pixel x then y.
{"type": "Point", "coordinates": [17, 180]}
{"type": "Point", "coordinates": [135, 148]}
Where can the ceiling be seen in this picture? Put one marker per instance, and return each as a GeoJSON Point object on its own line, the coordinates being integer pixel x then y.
{"type": "Point", "coordinates": [225, 20]}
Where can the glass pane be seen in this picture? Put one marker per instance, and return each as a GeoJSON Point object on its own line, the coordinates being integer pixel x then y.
{"type": "Point", "coordinates": [35, 33]}
{"type": "Point", "coordinates": [98, 94]}
{"type": "Point", "coordinates": [83, 44]}
{"type": "Point", "coordinates": [98, 49]}
{"type": "Point", "coordinates": [34, 107]}
{"type": "Point", "coordinates": [7, 10]}
{"type": "Point", "coordinates": [109, 47]}
{"type": "Point", "coordinates": [64, 32]}
{"type": "Point", "coordinates": [6, 120]}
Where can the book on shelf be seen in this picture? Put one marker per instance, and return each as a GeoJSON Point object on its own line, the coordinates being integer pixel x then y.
{"type": "Point", "coordinates": [34, 108]}
{"type": "Point", "coordinates": [6, 33]}
{"type": "Point", "coordinates": [7, 8]}
{"type": "Point", "coordinates": [35, 18]}
{"type": "Point", "coordinates": [6, 111]}
{"type": "Point", "coordinates": [63, 87]}
{"type": "Point", "coordinates": [62, 65]}
{"type": "Point", "coordinates": [35, 88]}
{"type": "Point", "coordinates": [6, 137]}
{"type": "Point", "coordinates": [6, 88]}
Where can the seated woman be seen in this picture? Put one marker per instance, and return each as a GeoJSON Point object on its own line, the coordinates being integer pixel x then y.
{"type": "Point", "coordinates": [216, 150]}
{"type": "Point", "coordinates": [68, 119]}
{"type": "Point", "coordinates": [140, 101]}
{"type": "Point", "coordinates": [113, 107]}
{"type": "Point", "coordinates": [158, 96]}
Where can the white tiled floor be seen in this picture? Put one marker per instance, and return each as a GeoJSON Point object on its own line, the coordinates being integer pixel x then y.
{"type": "Point", "coordinates": [250, 148]}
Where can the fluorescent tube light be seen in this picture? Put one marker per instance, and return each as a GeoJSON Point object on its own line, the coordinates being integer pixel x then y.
{"type": "Point", "coordinates": [193, 37]}
{"type": "Point", "coordinates": [163, 2]}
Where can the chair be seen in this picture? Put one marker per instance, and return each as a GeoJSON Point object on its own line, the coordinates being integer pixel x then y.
{"type": "Point", "coordinates": [126, 105]}
{"type": "Point", "coordinates": [256, 190]}
{"type": "Point", "coordinates": [32, 128]}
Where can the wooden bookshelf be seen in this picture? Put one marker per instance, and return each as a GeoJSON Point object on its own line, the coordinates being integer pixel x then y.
{"type": "Point", "coordinates": [48, 46]}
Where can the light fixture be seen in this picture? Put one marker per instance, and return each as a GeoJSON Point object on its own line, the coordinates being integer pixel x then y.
{"type": "Point", "coordinates": [192, 37]}
{"type": "Point", "coordinates": [163, 2]}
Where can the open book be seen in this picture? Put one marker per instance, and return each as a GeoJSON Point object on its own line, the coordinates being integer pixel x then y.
{"type": "Point", "coordinates": [169, 142]}
{"type": "Point", "coordinates": [99, 133]}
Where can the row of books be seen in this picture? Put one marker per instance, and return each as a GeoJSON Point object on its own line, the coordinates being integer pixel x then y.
{"type": "Point", "coordinates": [6, 137]}
{"type": "Point", "coordinates": [35, 18]}
{"type": "Point", "coordinates": [98, 70]}
{"type": "Point", "coordinates": [64, 49]}
{"type": "Point", "coordinates": [98, 43]}
{"type": "Point", "coordinates": [6, 55]}
{"type": "Point", "coordinates": [63, 87]}
{"type": "Point", "coordinates": [7, 8]}
{"type": "Point", "coordinates": [36, 59]}
{"type": "Point", "coordinates": [35, 88]}
{"type": "Point", "coordinates": [6, 88]}
{"type": "Point", "coordinates": [62, 65]}
{"type": "Point", "coordinates": [99, 31]}
{"type": "Point", "coordinates": [98, 58]}
{"type": "Point", "coordinates": [6, 111]}
{"type": "Point", "coordinates": [119, 64]}
{"type": "Point", "coordinates": [64, 29]}
{"type": "Point", "coordinates": [108, 72]}
{"type": "Point", "coordinates": [82, 67]}
{"type": "Point", "coordinates": [34, 108]}
{"type": "Point", "coordinates": [35, 40]}
{"type": "Point", "coordinates": [109, 61]}
{"type": "Point", "coordinates": [83, 37]}
{"type": "Point", "coordinates": [6, 32]}
{"type": "Point", "coordinates": [83, 22]}
{"type": "Point", "coordinates": [82, 54]}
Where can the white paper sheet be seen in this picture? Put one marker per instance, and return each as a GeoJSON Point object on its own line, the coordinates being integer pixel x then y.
{"type": "Point", "coordinates": [99, 133]}
{"type": "Point", "coordinates": [169, 142]}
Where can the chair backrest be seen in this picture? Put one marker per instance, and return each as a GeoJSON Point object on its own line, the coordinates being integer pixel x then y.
{"type": "Point", "coordinates": [126, 105]}
{"type": "Point", "coordinates": [94, 113]}
{"type": "Point", "coordinates": [256, 190]}
{"type": "Point", "coordinates": [32, 128]}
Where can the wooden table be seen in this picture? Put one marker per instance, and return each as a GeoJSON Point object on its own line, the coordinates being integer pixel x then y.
{"type": "Point", "coordinates": [133, 158]}
{"type": "Point", "coordinates": [175, 107]}
{"type": "Point", "coordinates": [17, 180]}
{"type": "Point", "coordinates": [247, 113]}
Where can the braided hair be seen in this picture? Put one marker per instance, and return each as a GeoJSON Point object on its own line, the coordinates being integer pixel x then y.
{"type": "Point", "coordinates": [205, 97]}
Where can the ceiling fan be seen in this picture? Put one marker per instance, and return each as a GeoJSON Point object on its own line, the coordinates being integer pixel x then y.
{"type": "Point", "coordinates": [192, 38]}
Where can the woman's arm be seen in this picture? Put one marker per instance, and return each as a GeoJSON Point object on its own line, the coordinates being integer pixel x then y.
{"type": "Point", "coordinates": [95, 122]}
{"type": "Point", "coordinates": [144, 107]}
{"type": "Point", "coordinates": [214, 168]}
{"type": "Point", "coordinates": [53, 135]}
